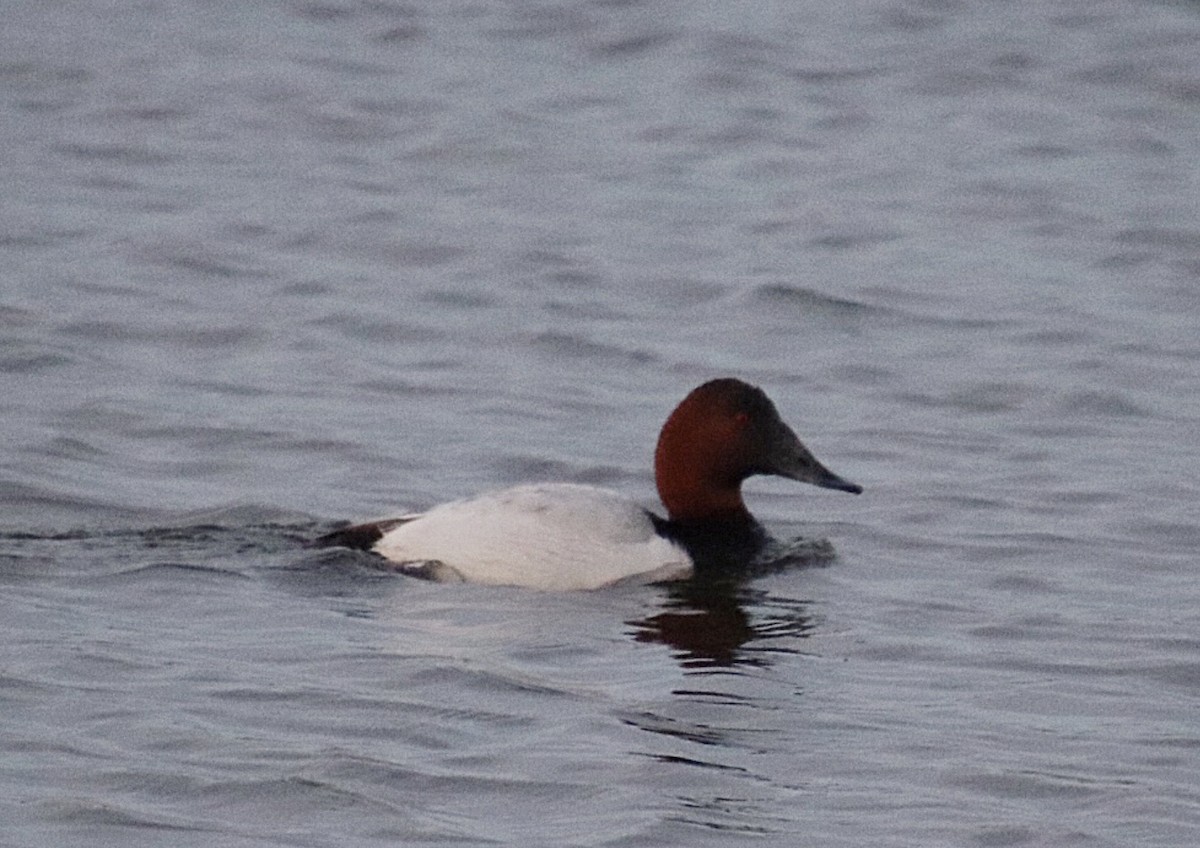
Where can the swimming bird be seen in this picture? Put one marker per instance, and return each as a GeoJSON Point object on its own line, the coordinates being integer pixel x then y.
{"type": "Point", "coordinates": [564, 536]}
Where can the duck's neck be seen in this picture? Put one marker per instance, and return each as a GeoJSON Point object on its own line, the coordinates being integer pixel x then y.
{"type": "Point", "coordinates": [706, 513]}
{"type": "Point", "coordinates": [697, 481]}
{"type": "Point", "coordinates": [717, 544]}
{"type": "Point", "coordinates": [690, 499]}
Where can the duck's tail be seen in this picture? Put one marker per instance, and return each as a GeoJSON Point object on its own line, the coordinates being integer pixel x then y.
{"type": "Point", "coordinates": [360, 537]}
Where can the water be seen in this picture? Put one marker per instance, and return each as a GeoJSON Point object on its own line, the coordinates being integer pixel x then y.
{"type": "Point", "coordinates": [271, 266]}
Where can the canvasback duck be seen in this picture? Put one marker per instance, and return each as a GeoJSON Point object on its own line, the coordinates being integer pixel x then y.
{"type": "Point", "coordinates": [564, 536]}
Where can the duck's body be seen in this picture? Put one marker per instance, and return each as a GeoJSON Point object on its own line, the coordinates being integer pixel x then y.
{"type": "Point", "coordinates": [564, 536]}
{"type": "Point", "coordinates": [568, 536]}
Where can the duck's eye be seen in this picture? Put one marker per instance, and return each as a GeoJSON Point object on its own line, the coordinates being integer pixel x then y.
{"type": "Point", "coordinates": [741, 419]}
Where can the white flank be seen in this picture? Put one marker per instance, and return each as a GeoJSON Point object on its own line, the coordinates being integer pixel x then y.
{"type": "Point", "coordinates": [559, 536]}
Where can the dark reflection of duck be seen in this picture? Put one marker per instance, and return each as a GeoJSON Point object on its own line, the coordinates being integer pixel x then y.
{"type": "Point", "coordinates": [707, 625]}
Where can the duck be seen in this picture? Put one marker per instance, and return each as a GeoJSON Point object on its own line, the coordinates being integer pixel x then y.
{"type": "Point", "coordinates": [569, 536]}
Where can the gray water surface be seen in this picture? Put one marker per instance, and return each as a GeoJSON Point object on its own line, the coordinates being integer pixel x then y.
{"type": "Point", "coordinates": [271, 266]}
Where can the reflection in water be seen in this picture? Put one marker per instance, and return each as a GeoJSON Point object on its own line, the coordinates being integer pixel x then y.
{"type": "Point", "coordinates": [727, 631]}
{"type": "Point", "coordinates": [705, 618]}
{"type": "Point", "coordinates": [706, 629]}
{"type": "Point", "coordinates": [706, 623]}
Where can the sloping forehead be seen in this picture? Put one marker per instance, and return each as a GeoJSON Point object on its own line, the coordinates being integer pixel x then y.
{"type": "Point", "coordinates": [734, 395]}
